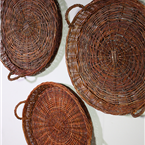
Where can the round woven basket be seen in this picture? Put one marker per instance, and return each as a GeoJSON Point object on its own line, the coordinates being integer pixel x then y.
{"type": "Point", "coordinates": [105, 55]}
{"type": "Point", "coordinates": [31, 35]}
{"type": "Point", "coordinates": [53, 114]}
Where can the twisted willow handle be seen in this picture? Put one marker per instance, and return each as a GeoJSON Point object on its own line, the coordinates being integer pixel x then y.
{"type": "Point", "coordinates": [68, 10]}
{"type": "Point", "coordinates": [15, 111]}
{"type": "Point", "coordinates": [15, 78]}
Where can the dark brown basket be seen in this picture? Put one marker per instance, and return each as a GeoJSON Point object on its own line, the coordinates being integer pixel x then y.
{"type": "Point", "coordinates": [105, 55]}
{"type": "Point", "coordinates": [53, 114]}
{"type": "Point", "coordinates": [31, 35]}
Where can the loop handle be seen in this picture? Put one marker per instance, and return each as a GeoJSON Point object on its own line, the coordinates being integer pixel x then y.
{"type": "Point", "coordinates": [15, 78]}
{"type": "Point", "coordinates": [138, 112]}
{"type": "Point", "coordinates": [68, 10]}
{"type": "Point", "coordinates": [15, 111]}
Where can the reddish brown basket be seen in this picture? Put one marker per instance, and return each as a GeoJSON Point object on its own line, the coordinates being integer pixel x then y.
{"type": "Point", "coordinates": [31, 35]}
{"type": "Point", "coordinates": [54, 114]}
{"type": "Point", "coordinates": [105, 55]}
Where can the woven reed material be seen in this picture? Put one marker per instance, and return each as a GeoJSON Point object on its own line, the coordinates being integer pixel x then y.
{"type": "Point", "coordinates": [105, 55]}
{"type": "Point", "coordinates": [53, 114]}
{"type": "Point", "coordinates": [31, 34]}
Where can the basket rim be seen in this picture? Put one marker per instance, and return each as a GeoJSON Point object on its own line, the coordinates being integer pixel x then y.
{"type": "Point", "coordinates": [94, 1]}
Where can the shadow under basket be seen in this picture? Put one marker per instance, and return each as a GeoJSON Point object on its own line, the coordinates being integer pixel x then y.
{"type": "Point", "coordinates": [105, 55]}
{"type": "Point", "coordinates": [54, 114]}
{"type": "Point", "coordinates": [31, 35]}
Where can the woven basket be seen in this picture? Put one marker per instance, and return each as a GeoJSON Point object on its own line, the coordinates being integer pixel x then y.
{"type": "Point", "coordinates": [53, 114]}
{"type": "Point", "coordinates": [105, 55]}
{"type": "Point", "coordinates": [31, 34]}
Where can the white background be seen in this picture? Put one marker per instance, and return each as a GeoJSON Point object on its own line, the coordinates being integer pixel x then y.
{"type": "Point", "coordinates": [107, 129]}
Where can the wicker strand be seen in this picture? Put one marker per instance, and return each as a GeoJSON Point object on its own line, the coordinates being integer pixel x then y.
{"type": "Point", "coordinates": [70, 24]}
{"type": "Point", "coordinates": [15, 111]}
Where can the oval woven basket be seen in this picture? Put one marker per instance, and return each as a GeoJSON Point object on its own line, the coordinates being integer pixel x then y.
{"type": "Point", "coordinates": [53, 114]}
{"type": "Point", "coordinates": [31, 35]}
{"type": "Point", "coordinates": [105, 55]}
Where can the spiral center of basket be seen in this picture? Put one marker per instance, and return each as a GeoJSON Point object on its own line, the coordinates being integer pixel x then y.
{"type": "Point", "coordinates": [114, 57]}
{"type": "Point", "coordinates": [26, 26]}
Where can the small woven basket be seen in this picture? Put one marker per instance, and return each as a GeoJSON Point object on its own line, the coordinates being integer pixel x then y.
{"type": "Point", "coordinates": [105, 55]}
{"type": "Point", "coordinates": [31, 35]}
{"type": "Point", "coordinates": [53, 114]}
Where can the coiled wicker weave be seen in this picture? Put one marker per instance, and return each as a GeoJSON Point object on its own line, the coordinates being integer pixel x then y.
{"type": "Point", "coordinates": [53, 114]}
{"type": "Point", "coordinates": [31, 34]}
{"type": "Point", "coordinates": [105, 55]}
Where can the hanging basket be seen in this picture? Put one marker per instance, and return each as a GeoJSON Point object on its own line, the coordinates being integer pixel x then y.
{"type": "Point", "coordinates": [31, 35]}
{"type": "Point", "coordinates": [105, 55]}
{"type": "Point", "coordinates": [53, 114]}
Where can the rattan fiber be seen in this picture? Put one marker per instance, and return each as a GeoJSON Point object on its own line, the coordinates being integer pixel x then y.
{"type": "Point", "coordinates": [53, 114]}
{"type": "Point", "coordinates": [105, 55]}
{"type": "Point", "coordinates": [31, 34]}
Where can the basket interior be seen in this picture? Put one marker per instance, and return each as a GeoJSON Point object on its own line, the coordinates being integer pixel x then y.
{"type": "Point", "coordinates": [55, 116]}
{"type": "Point", "coordinates": [31, 34]}
{"type": "Point", "coordinates": [105, 54]}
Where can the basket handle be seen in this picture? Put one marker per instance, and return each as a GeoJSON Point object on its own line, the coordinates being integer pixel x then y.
{"type": "Point", "coordinates": [15, 111]}
{"type": "Point", "coordinates": [138, 112]}
{"type": "Point", "coordinates": [15, 78]}
{"type": "Point", "coordinates": [68, 10]}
